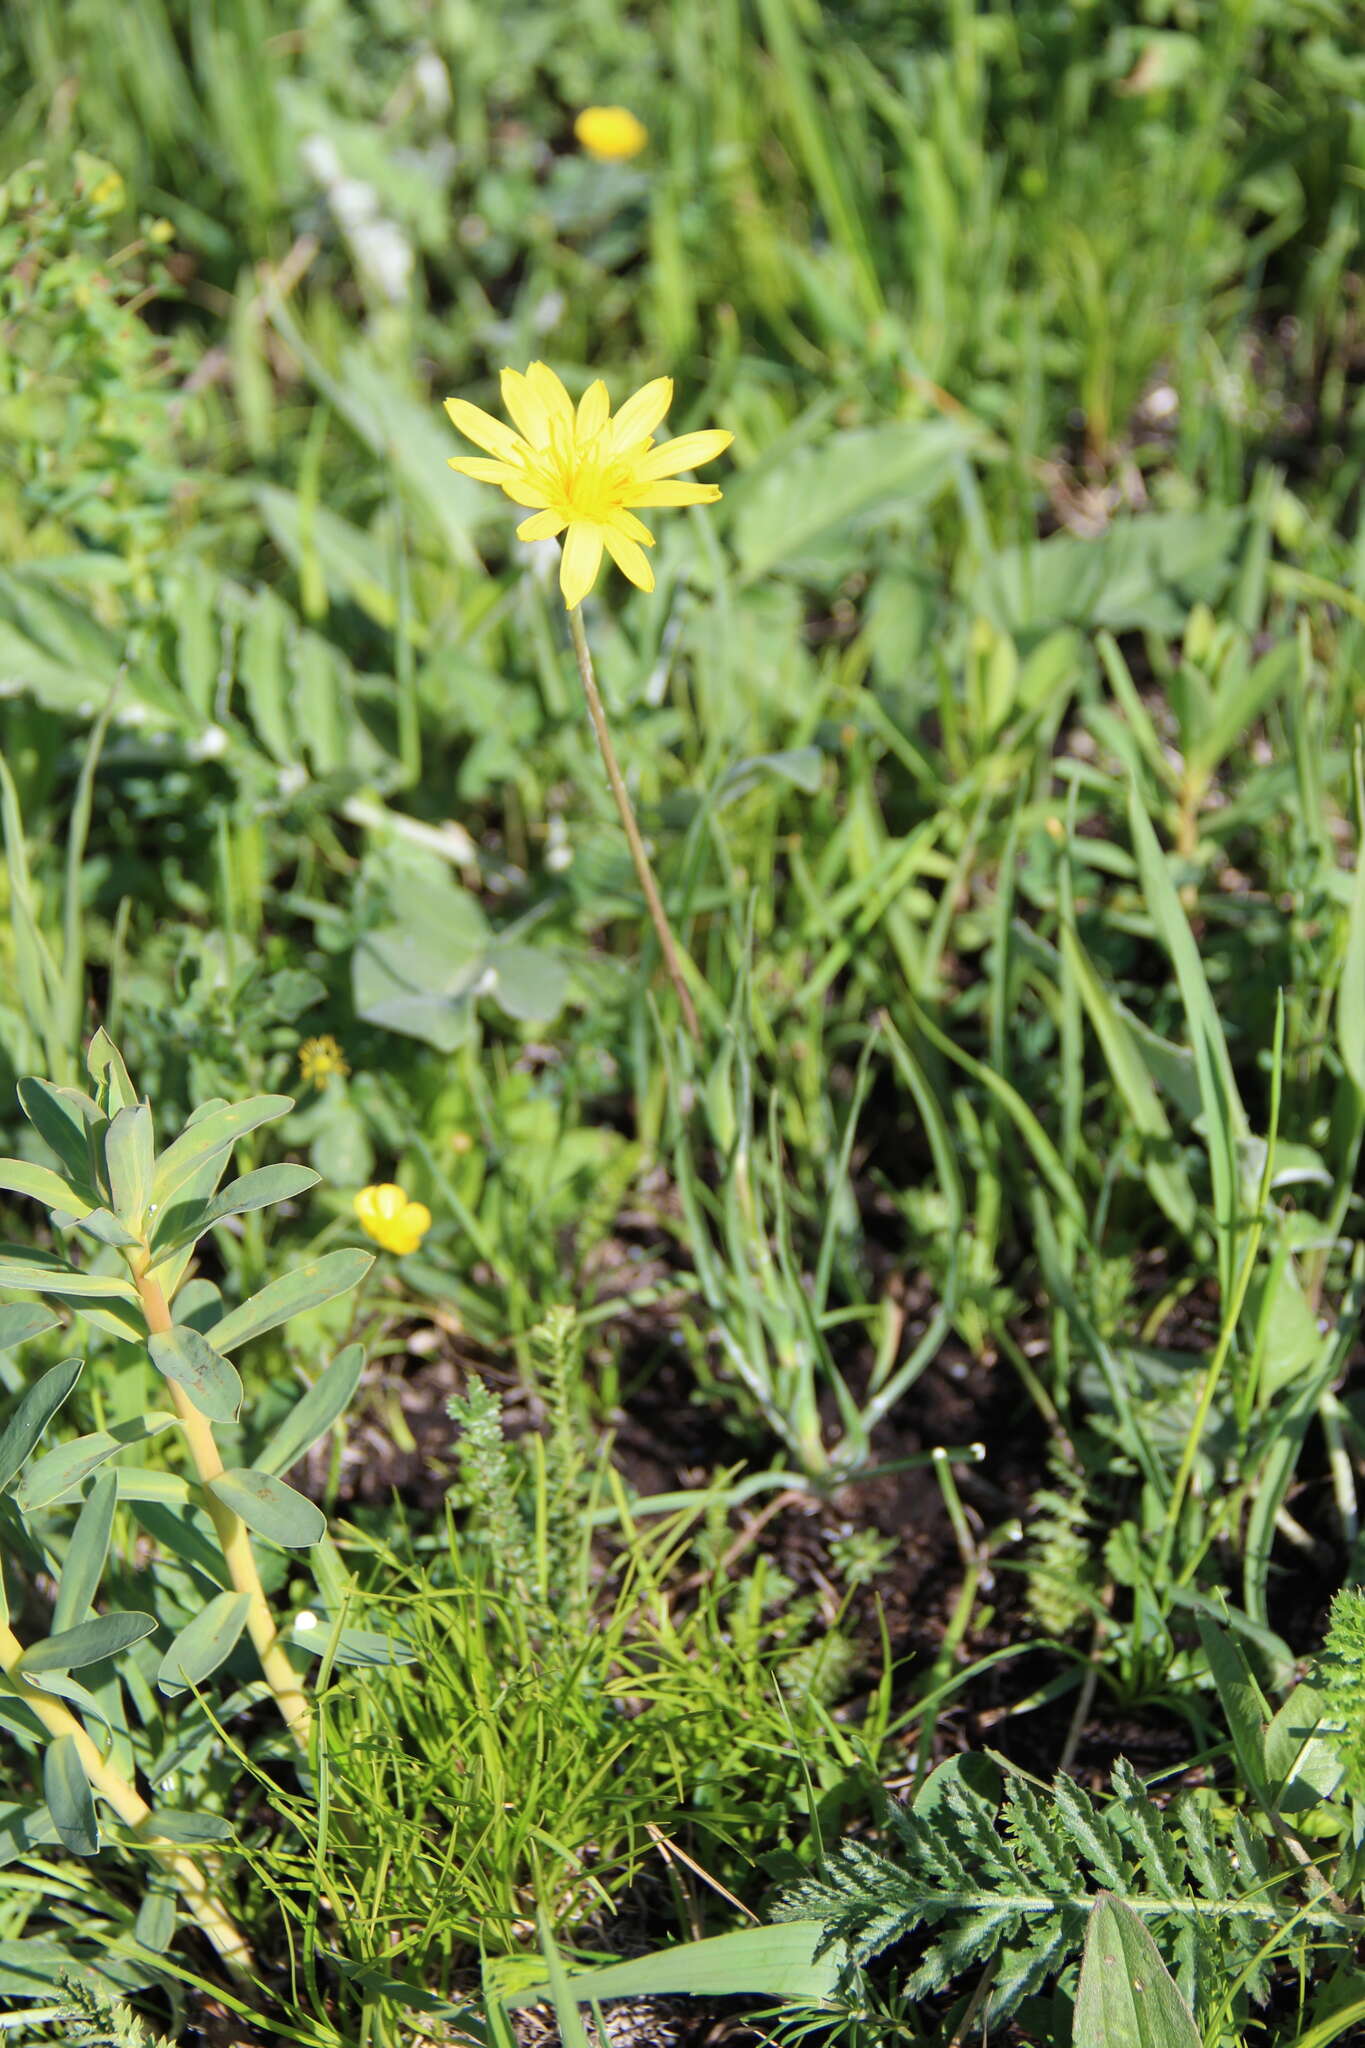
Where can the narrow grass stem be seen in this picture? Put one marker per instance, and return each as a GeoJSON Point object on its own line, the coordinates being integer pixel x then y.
{"type": "Point", "coordinates": [1232, 1313]}
{"type": "Point", "coordinates": [235, 1541]}
{"type": "Point", "coordinates": [644, 872]}
{"type": "Point", "coordinates": [130, 1806]}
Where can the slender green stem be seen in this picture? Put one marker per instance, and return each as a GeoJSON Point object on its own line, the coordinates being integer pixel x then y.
{"type": "Point", "coordinates": [234, 1540]}
{"type": "Point", "coordinates": [644, 872]}
{"type": "Point", "coordinates": [1232, 1312]}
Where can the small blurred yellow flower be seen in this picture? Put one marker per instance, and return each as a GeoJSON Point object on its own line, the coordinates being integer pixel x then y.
{"type": "Point", "coordinates": [585, 469]}
{"type": "Point", "coordinates": [161, 232]}
{"type": "Point", "coordinates": [391, 1219]}
{"type": "Point", "coordinates": [319, 1058]}
{"type": "Point", "coordinates": [611, 134]}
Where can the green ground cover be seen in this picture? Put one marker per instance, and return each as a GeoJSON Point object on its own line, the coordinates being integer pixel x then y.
{"type": "Point", "coordinates": [871, 1485]}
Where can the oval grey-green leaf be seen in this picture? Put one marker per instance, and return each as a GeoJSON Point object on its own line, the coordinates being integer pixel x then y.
{"type": "Point", "coordinates": [89, 1642]}
{"type": "Point", "coordinates": [270, 1508]}
{"type": "Point", "coordinates": [191, 1361]}
{"type": "Point", "coordinates": [204, 1643]}
{"type": "Point", "coordinates": [69, 1798]}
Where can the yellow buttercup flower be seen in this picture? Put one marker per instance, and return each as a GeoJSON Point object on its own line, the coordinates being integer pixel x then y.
{"type": "Point", "coordinates": [611, 134]}
{"type": "Point", "coordinates": [394, 1222]}
{"type": "Point", "coordinates": [585, 469]}
{"type": "Point", "coordinates": [319, 1058]}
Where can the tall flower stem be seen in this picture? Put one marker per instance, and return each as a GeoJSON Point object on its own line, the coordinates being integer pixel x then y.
{"type": "Point", "coordinates": [131, 1808]}
{"type": "Point", "coordinates": [234, 1539]}
{"type": "Point", "coordinates": [644, 872]}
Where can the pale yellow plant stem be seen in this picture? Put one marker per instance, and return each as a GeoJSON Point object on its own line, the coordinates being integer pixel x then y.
{"type": "Point", "coordinates": [131, 1808]}
{"type": "Point", "coordinates": [234, 1539]}
{"type": "Point", "coordinates": [644, 872]}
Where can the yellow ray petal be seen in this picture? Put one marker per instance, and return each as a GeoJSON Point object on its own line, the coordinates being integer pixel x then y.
{"type": "Point", "coordinates": [689, 451]}
{"type": "Point", "coordinates": [640, 415]}
{"type": "Point", "coordinates": [484, 431]}
{"type": "Point", "coordinates": [551, 393]}
{"type": "Point", "coordinates": [673, 494]}
{"type": "Point", "coordinates": [483, 468]}
{"type": "Point", "coordinates": [524, 489]}
{"type": "Point", "coordinates": [541, 526]}
{"type": "Point", "coordinates": [580, 562]}
{"type": "Point", "coordinates": [633, 528]}
{"type": "Point", "coordinates": [526, 408]}
{"type": "Point", "coordinates": [593, 409]}
{"type": "Point", "coordinates": [631, 560]}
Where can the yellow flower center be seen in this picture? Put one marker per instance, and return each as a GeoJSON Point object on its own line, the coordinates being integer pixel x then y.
{"type": "Point", "coordinates": [580, 480]}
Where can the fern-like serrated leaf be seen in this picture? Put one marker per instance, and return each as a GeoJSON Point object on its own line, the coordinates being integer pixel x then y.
{"type": "Point", "coordinates": [1095, 1837]}
{"type": "Point", "coordinates": [1014, 1885]}
{"type": "Point", "coordinates": [1037, 1839]}
{"type": "Point", "coordinates": [1024, 1971]}
{"type": "Point", "coordinates": [1160, 1858]}
{"type": "Point", "coordinates": [1210, 1864]}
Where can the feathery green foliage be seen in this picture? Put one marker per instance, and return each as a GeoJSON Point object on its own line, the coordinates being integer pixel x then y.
{"type": "Point", "coordinates": [1012, 1883]}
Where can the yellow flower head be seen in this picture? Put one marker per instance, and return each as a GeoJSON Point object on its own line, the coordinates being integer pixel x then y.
{"type": "Point", "coordinates": [319, 1058]}
{"type": "Point", "coordinates": [584, 469]}
{"type": "Point", "coordinates": [611, 134]}
{"type": "Point", "coordinates": [394, 1222]}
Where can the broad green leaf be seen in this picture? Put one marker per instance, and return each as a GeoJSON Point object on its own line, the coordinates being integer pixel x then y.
{"type": "Point", "coordinates": [1126, 1997]}
{"type": "Point", "coordinates": [105, 1226]}
{"type": "Point", "coordinates": [35, 1410]}
{"type": "Point", "coordinates": [1238, 705]}
{"type": "Point", "coordinates": [127, 1324]}
{"type": "Point", "coordinates": [258, 1190]}
{"type": "Point", "coordinates": [69, 1798]}
{"type": "Point", "coordinates": [787, 513]}
{"type": "Point", "coordinates": [21, 1177]}
{"type": "Point", "coordinates": [48, 1478]}
{"type": "Point", "coordinates": [89, 1642]}
{"type": "Point", "coordinates": [312, 1417]}
{"type": "Point", "coordinates": [104, 1064]}
{"type": "Point", "coordinates": [186, 1829]}
{"type": "Point", "coordinates": [270, 1508]}
{"type": "Point", "coordinates": [308, 1286]}
{"type": "Point", "coordinates": [529, 982]}
{"type": "Point", "coordinates": [38, 1272]}
{"type": "Point", "coordinates": [130, 1162]}
{"type": "Point", "coordinates": [191, 1361]}
{"type": "Point", "coordinates": [24, 1829]}
{"type": "Point", "coordinates": [204, 1643]}
{"type": "Point", "coordinates": [1161, 1165]}
{"type": "Point", "coordinates": [21, 1320]}
{"type": "Point", "coordinates": [366, 1648]}
{"type": "Point", "coordinates": [776, 1962]}
{"type": "Point", "coordinates": [1302, 1766]}
{"type": "Point", "coordinates": [83, 1565]}
{"type": "Point", "coordinates": [421, 974]}
{"type": "Point", "coordinates": [210, 1136]}
{"type": "Point", "coordinates": [179, 1526]}
{"type": "Point", "coordinates": [64, 1119]}
{"type": "Point", "coordinates": [154, 1926]}
{"type": "Point", "coordinates": [63, 1686]}
{"type": "Point", "coordinates": [1242, 1700]}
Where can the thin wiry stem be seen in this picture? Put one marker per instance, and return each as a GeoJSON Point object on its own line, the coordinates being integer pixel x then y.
{"type": "Point", "coordinates": [644, 872]}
